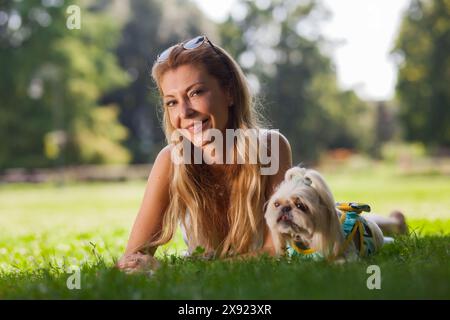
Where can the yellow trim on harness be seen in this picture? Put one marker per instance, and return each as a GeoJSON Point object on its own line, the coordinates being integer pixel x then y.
{"type": "Point", "coordinates": [300, 250]}
{"type": "Point", "coordinates": [343, 216]}
{"type": "Point", "coordinates": [349, 238]}
{"type": "Point", "coordinates": [357, 227]}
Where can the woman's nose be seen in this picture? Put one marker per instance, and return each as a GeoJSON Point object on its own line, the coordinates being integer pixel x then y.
{"type": "Point", "coordinates": [185, 109]}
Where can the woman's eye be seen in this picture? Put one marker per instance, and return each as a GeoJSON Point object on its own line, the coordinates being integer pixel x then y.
{"type": "Point", "coordinates": [195, 92]}
{"type": "Point", "coordinates": [170, 103]}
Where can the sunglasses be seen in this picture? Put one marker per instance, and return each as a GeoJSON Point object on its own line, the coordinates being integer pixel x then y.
{"type": "Point", "coordinates": [188, 45]}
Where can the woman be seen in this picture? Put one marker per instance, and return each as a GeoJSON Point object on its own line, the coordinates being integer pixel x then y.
{"type": "Point", "coordinates": [218, 206]}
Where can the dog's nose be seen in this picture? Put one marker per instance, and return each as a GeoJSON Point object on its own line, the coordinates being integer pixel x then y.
{"type": "Point", "coordinates": [286, 209]}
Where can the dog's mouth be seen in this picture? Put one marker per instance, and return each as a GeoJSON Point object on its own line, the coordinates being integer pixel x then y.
{"type": "Point", "coordinates": [297, 233]}
{"type": "Point", "coordinates": [286, 217]}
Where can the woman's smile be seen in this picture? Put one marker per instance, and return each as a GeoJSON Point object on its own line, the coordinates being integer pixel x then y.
{"type": "Point", "coordinates": [199, 126]}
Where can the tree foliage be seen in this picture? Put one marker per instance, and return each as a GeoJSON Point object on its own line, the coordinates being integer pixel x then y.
{"type": "Point", "coordinates": [280, 49]}
{"type": "Point", "coordinates": [52, 78]}
{"type": "Point", "coordinates": [86, 96]}
{"type": "Point", "coordinates": [423, 47]}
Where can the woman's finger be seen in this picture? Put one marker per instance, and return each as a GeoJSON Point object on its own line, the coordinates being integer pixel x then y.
{"type": "Point", "coordinates": [130, 270]}
{"type": "Point", "coordinates": [126, 264]}
{"type": "Point", "coordinates": [138, 262]}
{"type": "Point", "coordinates": [132, 264]}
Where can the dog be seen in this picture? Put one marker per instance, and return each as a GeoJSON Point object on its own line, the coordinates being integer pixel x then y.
{"type": "Point", "coordinates": [303, 220]}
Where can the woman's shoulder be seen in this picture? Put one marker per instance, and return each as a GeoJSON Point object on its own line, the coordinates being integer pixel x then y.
{"type": "Point", "coordinates": [163, 161]}
{"type": "Point", "coordinates": [281, 160]}
{"type": "Point", "coordinates": [276, 136]}
{"type": "Point", "coordinates": [165, 153]}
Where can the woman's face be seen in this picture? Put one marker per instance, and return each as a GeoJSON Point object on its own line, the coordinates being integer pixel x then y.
{"type": "Point", "coordinates": [191, 95]}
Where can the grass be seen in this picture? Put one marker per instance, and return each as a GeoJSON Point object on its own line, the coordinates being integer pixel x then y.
{"type": "Point", "coordinates": [45, 229]}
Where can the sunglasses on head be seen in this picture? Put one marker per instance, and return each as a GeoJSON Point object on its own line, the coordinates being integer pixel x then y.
{"type": "Point", "coordinates": [188, 45]}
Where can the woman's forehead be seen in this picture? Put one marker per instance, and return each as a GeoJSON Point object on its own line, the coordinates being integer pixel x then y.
{"type": "Point", "coordinates": [182, 78]}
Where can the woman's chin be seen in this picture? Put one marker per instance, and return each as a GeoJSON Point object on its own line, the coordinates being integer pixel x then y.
{"type": "Point", "coordinates": [201, 139]}
{"type": "Point", "coordinates": [201, 143]}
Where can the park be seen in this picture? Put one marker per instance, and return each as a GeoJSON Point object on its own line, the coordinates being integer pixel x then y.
{"type": "Point", "coordinates": [82, 125]}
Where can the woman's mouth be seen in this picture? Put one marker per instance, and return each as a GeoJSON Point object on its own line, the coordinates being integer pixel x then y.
{"type": "Point", "coordinates": [198, 126]}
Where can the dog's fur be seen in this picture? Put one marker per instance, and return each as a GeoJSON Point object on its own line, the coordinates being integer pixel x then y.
{"type": "Point", "coordinates": [303, 208]}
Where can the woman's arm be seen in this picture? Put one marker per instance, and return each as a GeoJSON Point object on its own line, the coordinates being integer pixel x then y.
{"type": "Point", "coordinates": [148, 222]}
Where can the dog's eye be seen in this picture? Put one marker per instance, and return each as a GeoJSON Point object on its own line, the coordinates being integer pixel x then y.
{"type": "Point", "coordinates": [301, 206]}
{"type": "Point", "coordinates": [276, 204]}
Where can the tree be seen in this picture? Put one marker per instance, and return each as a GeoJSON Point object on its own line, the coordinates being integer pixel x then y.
{"type": "Point", "coordinates": [152, 27]}
{"type": "Point", "coordinates": [277, 44]}
{"type": "Point", "coordinates": [423, 47]}
{"type": "Point", "coordinates": [52, 78]}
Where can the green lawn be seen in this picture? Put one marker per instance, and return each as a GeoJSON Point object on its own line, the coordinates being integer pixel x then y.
{"type": "Point", "coordinates": [45, 229]}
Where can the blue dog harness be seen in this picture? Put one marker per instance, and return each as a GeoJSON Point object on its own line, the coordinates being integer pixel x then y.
{"type": "Point", "coordinates": [353, 225]}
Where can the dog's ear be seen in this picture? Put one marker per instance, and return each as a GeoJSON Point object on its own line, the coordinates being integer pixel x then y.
{"type": "Point", "coordinates": [330, 237]}
{"type": "Point", "coordinates": [318, 183]}
{"type": "Point", "coordinates": [294, 172]}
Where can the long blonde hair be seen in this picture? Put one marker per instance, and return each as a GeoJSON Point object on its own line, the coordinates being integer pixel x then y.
{"type": "Point", "coordinates": [233, 227]}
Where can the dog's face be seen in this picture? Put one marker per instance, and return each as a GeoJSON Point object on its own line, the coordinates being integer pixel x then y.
{"type": "Point", "coordinates": [300, 207]}
{"type": "Point", "coordinates": [292, 211]}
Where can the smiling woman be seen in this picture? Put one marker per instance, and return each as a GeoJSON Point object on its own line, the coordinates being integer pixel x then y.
{"type": "Point", "coordinates": [202, 100]}
{"type": "Point", "coordinates": [218, 206]}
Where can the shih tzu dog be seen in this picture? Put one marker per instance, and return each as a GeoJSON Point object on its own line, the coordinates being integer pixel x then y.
{"type": "Point", "coordinates": [304, 220]}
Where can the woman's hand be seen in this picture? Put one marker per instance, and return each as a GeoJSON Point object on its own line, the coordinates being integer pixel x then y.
{"type": "Point", "coordinates": [138, 263]}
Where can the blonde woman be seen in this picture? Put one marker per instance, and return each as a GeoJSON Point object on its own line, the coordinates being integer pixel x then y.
{"type": "Point", "coordinates": [219, 206]}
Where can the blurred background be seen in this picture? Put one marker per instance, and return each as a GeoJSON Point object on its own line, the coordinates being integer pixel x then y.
{"type": "Point", "coordinates": [338, 78]}
{"type": "Point", "coordinates": [360, 89]}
